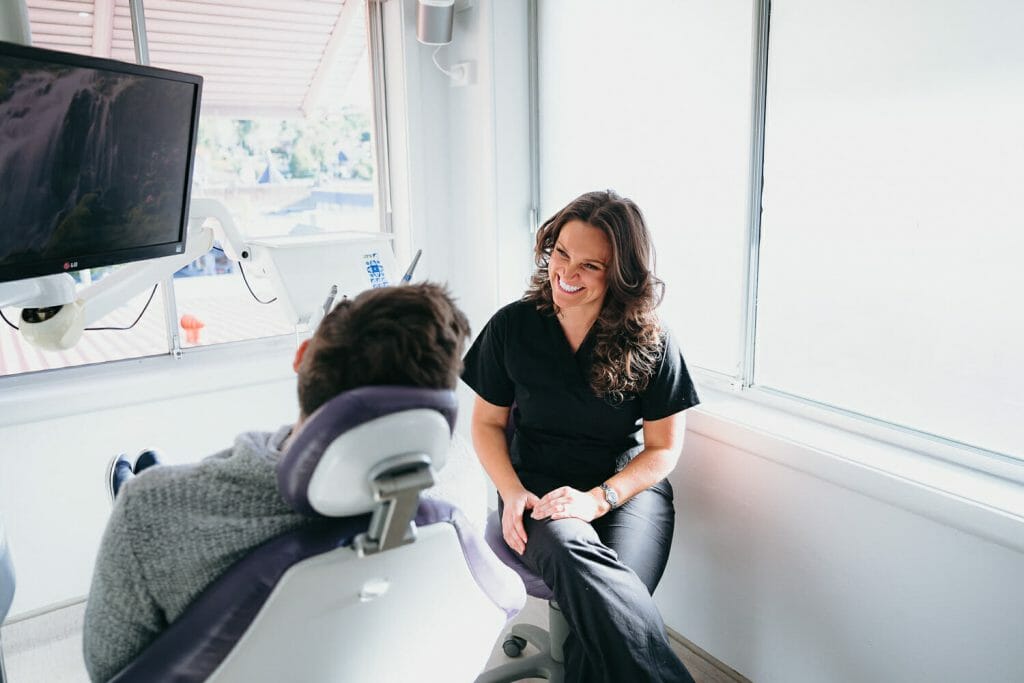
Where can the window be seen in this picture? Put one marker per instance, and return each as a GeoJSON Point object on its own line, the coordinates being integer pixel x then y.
{"type": "Point", "coordinates": [285, 142]}
{"type": "Point", "coordinates": [887, 274]}
{"type": "Point", "coordinates": [655, 104]}
{"type": "Point", "coordinates": [891, 225]}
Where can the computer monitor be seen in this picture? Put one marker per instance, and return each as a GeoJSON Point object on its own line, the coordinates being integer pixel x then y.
{"type": "Point", "coordinates": [95, 161]}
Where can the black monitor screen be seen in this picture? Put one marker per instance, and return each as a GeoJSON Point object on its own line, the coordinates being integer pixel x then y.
{"type": "Point", "coordinates": [95, 161]}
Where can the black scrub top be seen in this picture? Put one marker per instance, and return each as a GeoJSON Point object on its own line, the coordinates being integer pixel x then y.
{"type": "Point", "coordinates": [563, 432]}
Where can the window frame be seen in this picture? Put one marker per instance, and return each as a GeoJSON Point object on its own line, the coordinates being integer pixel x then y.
{"type": "Point", "coordinates": [48, 394]}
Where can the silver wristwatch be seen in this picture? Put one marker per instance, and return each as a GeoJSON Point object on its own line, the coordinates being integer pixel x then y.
{"type": "Point", "coordinates": [610, 496]}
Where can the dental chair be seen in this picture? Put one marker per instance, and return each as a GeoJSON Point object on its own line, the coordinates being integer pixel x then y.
{"type": "Point", "coordinates": [6, 589]}
{"type": "Point", "coordinates": [380, 586]}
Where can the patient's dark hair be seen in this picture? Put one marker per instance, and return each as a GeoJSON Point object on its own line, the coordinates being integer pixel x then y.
{"type": "Point", "coordinates": [411, 335]}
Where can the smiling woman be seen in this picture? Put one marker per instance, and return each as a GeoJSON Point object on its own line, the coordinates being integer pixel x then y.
{"type": "Point", "coordinates": [595, 390]}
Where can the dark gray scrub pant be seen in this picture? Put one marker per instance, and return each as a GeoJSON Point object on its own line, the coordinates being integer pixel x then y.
{"type": "Point", "coordinates": [602, 574]}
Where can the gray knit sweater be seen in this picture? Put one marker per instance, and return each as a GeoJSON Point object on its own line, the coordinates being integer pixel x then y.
{"type": "Point", "coordinates": [173, 531]}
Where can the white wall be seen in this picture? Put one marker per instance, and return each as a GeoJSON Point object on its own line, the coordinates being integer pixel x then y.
{"type": "Point", "coordinates": [52, 492]}
{"type": "Point", "coordinates": [787, 576]}
{"type": "Point", "coordinates": [460, 156]}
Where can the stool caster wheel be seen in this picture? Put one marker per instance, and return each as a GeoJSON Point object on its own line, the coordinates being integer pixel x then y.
{"type": "Point", "coordinates": [513, 646]}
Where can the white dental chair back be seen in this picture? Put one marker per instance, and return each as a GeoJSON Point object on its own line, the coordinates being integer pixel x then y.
{"type": "Point", "coordinates": [393, 616]}
{"type": "Point", "coordinates": [382, 587]}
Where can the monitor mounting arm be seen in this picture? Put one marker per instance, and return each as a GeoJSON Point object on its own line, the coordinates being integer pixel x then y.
{"type": "Point", "coordinates": [55, 317]}
{"type": "Point", "coordinates": [302, 270]}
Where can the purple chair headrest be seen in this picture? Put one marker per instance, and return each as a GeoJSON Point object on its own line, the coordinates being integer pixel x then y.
{"type": "Point", "coordinates": [327, 468]}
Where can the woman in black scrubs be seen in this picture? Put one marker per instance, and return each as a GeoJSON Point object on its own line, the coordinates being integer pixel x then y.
{"type": "Point", "coordinates": [596, 390]}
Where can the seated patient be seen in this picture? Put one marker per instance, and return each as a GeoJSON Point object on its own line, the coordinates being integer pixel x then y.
{"type": "Point", "coordinates": [173, 531]}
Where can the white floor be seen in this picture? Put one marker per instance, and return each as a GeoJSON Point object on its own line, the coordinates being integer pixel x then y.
{"type": "Point", "coordinates": [45, 648]}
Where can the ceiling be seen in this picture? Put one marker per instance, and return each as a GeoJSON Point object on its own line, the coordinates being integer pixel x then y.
{"type": "Point", "coordinates": [257, 57]}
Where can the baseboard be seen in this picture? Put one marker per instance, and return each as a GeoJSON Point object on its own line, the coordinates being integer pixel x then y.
{"type": "Point", "coordinates": [721, 671]}
{"type": "Point", "coordinates": [43, 611]}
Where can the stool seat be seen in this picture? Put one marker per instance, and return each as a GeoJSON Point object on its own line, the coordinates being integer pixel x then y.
{"type": "Point", "coordinates": [547, 662]}
{"type": "Point", "coordinates": [535, 585]}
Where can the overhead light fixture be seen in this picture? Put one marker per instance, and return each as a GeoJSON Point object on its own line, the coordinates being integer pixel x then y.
{"type": "Point", "coordinates": [434, 19]}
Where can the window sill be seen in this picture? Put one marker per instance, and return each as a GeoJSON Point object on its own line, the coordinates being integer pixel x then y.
{"type": "Point", "coordinates": [69, 391]}
{"type": "Point", "coordinates": [971, 500]}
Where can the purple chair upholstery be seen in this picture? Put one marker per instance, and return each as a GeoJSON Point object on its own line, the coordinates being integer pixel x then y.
{"type": "Point", "coordinates": [341, 414]}
{"type": "Point", "coordinates": [196, 644]}
{"type": "Point", "coordinates": [547, 662]}
{"type": "Point", "coordinates": [535, 585]}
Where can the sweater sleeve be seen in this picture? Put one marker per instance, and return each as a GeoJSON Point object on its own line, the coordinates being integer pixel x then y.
{"type": "Point", "coordinates": [121, 616]}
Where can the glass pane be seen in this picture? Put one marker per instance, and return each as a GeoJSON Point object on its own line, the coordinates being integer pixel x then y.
{"type": "Point", "coordinates": [654, 102]}
{"type": "Point", "coordinates": [892, 232]}
{"type": "Point", "coordinates": [215, 306]}
{"type": "Point", "coordinates": [284, 139]}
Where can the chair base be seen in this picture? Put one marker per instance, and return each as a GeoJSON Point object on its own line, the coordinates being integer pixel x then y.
{"type": "Point", "coordinates": [546, 664]}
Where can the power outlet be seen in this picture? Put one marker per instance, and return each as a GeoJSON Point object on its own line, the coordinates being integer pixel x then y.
{"type": "Point", "coordinates": [463, 74]}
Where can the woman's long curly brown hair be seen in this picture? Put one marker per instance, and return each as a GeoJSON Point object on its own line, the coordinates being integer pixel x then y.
{"type": "Point", "coordinates": [627, 331]}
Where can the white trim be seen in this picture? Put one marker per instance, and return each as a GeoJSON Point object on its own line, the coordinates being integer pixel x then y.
{"type": "Point", "coordinates": [961, 454]}
{"type": "Point", "coordinates": [46, 610]}
{"type": "Point", "coordinates": [60, 392]}
{"type": "Point", "coordinates": [376, 44]}
{"type": "Point", "coordinates": [755, 187]}
{"type": "Point", "coordinates": [404, 188]}
{"type": "Point", "coordinates": [960, 496]}
{"type": "Point", "coordinates": [103, 28]}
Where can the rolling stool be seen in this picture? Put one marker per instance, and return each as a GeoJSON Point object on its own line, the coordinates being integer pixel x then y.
{"type": "Point", "coordinates": [547, 663]}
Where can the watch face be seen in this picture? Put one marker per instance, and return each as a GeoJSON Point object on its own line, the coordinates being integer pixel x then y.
{"type": "Point", "coordinates": [609, 495]}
